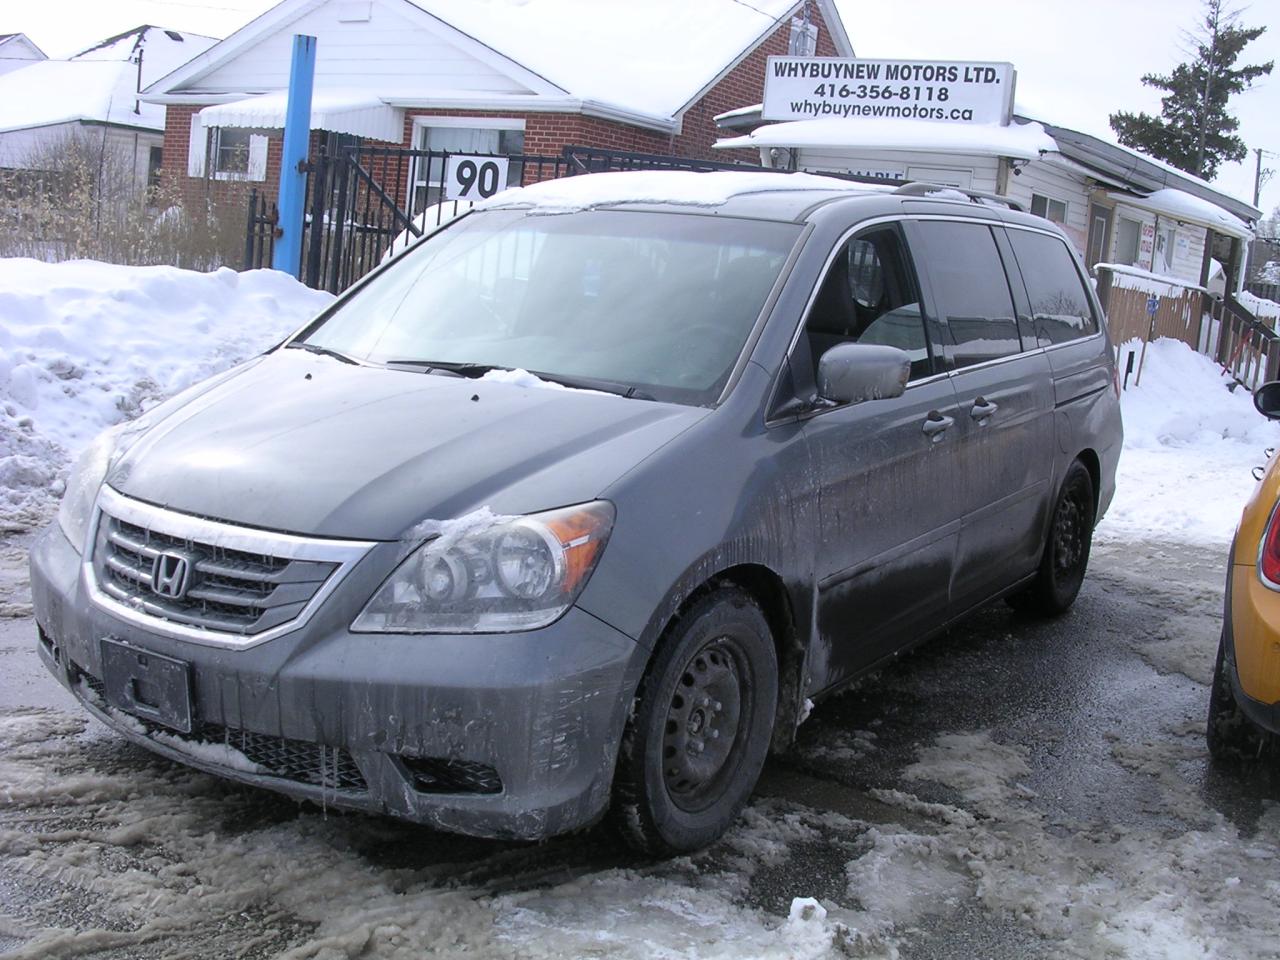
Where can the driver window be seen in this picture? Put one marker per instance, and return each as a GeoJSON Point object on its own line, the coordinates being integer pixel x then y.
{"type": "Point", "coordinates": [869, 295]}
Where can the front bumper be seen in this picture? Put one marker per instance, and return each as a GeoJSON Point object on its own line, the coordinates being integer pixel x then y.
{"type": "Point", "coordinates": [354, 720]}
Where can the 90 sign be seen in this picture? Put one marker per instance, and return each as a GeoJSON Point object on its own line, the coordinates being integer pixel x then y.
{"type": "Point", "coordinates": [474, 178]}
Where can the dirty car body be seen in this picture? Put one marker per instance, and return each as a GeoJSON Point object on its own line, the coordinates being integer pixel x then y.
{"type": "Point", "coordinates": [381, 567]}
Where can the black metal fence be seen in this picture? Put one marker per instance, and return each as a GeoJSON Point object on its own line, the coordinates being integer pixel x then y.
{"type": "Point", "coordinates": [364, 202]}
{"type": "Point", "coordinates": [261, 231]}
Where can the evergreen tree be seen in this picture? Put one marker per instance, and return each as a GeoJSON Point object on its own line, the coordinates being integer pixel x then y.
{"type": "Point", "coordinates": [1194, 131]}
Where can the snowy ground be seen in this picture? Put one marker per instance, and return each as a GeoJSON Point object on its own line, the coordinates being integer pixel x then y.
{"type": "Point", "coordinates": [1067, 809]}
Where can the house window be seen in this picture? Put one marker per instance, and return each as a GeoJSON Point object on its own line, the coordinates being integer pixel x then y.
{"type": "Point", "coordinates": [1049, 208]}
{"type": "Point", "coordinates": [226, 153]}
{"type": "Point", "coordinates": [804, 38]}
{"type": "Point", "coordinates": [1128, 234]}
{"type": "Point", "coordinates": [471, 135]}
{"type": "Point", "coordinates": [230, 150]}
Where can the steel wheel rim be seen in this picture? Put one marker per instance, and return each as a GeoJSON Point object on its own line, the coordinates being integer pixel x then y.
{"type": "Point", "coordinates": [1068, 536]}
{"type": "Point", "coordinates": [702, 732]}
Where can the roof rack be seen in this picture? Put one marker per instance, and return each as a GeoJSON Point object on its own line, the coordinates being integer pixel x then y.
{"type": "Point", "coordinates": [919, 188]}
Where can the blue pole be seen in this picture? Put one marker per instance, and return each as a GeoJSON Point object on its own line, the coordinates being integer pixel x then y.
{"type": "Point", "coordinates": [287, 255]}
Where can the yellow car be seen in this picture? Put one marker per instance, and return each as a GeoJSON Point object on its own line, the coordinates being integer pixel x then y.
{"type": "Point", "coordinates": [1244, 702]}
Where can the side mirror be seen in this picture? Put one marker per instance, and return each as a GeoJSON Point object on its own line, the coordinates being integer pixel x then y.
{"type": "Point", "coordinates": [1267, 399]}
{"type": "Point", "coordinates": [854, 372]}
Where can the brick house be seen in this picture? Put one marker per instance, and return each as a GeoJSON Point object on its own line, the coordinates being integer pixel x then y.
{"type": "Point", "coordinates": [481, 76]}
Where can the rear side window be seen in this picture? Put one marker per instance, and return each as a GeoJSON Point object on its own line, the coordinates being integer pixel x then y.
{"type": "Point", "coordinates": [1060, 306]}
{"type": "Point", "coordinates": [970, 290]}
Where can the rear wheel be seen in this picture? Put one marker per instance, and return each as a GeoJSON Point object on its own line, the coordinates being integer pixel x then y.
{"type": "Point", "coordinates": [694, 748]}
{"type": "Point", "coordinates": [1066, 553]}
{"type": "Point", "coordinates": [1231, 735]}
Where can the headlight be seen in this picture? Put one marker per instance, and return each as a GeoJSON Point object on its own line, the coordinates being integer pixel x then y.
{"type": "Point", "coordinates": [82, 486]}
{"type": "Point", "coordinates": [491, 574]}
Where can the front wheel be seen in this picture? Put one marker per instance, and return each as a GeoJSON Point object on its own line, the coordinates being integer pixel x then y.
{"type": "Point", "coordinates": [1066, 554]}
{"type": "Point", "coordinates": [695, 746]}
{"type": "Point", "coordinates": [1231, 735]}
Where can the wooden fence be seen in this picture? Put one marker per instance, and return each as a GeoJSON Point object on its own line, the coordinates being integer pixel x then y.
{"type": "Point", "coordinates": [1247, 347]}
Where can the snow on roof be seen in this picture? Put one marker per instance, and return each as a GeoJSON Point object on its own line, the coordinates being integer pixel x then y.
{"type": "Point", "coordinates": [98, 85]}
{"type": "Point", "coordinates": [163, 51]}
{"type": "Point", "coordinates": [1024, 141]}
{"type": "Point", "coordinates": [652, 56]}
{"type": "Point", "coordinates": [740, 112]}
{"type": "Point", "coordinates": [1184, 206]}
{"type": "Point", "coordinates": [65, 91]}
{"type": "Point", "coordinates": [663, 186]}
{"type": "Point", "coordinates": [338, 111]}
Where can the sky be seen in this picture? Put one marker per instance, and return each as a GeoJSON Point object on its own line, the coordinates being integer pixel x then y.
{"type": "Point", "coordinates": [1077, 60]}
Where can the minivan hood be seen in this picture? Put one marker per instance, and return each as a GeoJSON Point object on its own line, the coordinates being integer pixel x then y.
{"type": "Point", "coordinates": [309, 444]}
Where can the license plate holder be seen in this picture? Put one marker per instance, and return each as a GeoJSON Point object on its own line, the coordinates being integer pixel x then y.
{"type": "Point", "coordinates": [147, 685]}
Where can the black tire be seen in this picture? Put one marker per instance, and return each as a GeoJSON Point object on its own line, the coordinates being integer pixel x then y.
{"type": "Point", "coordinates": [1231, 735]}
{"type": "Point", "coordinates": [1066, 550]}
{"type": "Point", "coordinates": [695, 745]}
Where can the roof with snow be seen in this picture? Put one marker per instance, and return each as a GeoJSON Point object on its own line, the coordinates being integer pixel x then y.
{"type": "Point", "coordinates": [19, 38]}
{"type": "Point", "coordinates": [646, 61]}
{"type": "Point", "coordinates": [655, 56]}
{"type": "Point", "coordinates": [1024, 141]}
{"type": "Point", "coordinates": [98, 85]}
{"type": "Point", "coordinates": [1141, 171]}
{"type": "Point", "coordinates": [1025, 138]}
{"type": "Point", "coordinates": [1181, 205]}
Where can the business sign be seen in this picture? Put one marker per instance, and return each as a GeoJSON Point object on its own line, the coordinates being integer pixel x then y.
{"type": "Point", "coordinates": [809, 88]}
{"type": "Point", "coordinates": [474, 178]}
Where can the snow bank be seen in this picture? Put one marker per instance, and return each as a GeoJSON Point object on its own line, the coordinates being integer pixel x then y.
{"type": "Point", "coordinates": [1189, 448]}
{"type": "Point", "coordinates": [85, 345]}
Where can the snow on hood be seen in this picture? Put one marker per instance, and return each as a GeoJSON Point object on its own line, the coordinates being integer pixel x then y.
{"type": "Point", "coordinates": [661, 186]}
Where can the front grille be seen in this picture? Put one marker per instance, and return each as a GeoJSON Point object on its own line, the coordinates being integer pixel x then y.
{"type": "Point", "coordinates": [438, 775]}
{"type": "Point", "coordinates": [298, 760]}
{"type": "Point", "coordinates": [228, 590]}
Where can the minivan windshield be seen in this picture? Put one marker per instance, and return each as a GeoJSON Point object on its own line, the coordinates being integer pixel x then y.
{"type": "Point", "coordinates": [658, 303]}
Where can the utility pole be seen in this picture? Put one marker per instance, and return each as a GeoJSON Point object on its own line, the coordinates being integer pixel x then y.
{"type": "Point", "coordinates": [287, 254]}
{"type": "Point", "coordinates": [1260, 176]}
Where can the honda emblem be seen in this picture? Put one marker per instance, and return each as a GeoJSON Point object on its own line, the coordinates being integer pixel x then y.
{"type": "Point", "coordinates": [171, 576]}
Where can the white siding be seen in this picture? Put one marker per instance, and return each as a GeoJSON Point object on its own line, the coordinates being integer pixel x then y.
{"type": "Point", "coordinates": [1056, 184]}
{"type": "Point", "coordinates": [1189, 255]}
{"type": "Point", "coordinates": [388, 53]}
{"type": "Point", "coordinates": [971, 173]}
{"type": "Point", "coordinates": [28, 149]}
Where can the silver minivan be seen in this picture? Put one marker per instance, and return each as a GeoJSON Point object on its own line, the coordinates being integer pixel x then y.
{"type": "Point", "coordinates": [574, 506]}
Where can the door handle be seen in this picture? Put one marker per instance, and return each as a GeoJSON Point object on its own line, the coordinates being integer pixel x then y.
{"type": "Point", "coordinates": [935, 425]}
{"type": "Point", "coordinates": [982, 409]}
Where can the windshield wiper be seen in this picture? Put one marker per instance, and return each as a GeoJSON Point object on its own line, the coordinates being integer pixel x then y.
{"type": "Point", "coordinates": [448, 366]}
{"type": "Point", "coordinates": [630, 391]}
{"type": "Point", "coordinates": [323, 351]}
{"type": "Point", "coordinates": [476, 370]}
